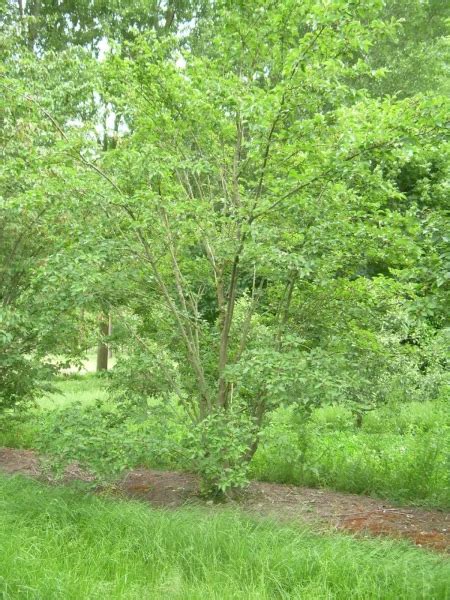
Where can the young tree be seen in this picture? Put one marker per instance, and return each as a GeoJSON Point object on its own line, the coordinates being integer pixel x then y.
{"type": "Point", "coordinates": [253, 168]}
{"type": "Point", "coordinates": [250, 169]}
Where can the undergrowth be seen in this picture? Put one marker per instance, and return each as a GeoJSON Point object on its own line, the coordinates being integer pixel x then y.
{"type": "Point", "coordinates": [400, 453]}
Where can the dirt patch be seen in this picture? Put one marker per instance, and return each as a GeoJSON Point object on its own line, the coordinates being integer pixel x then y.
{"type": "Point", "coordinates": [27, 462]}
{"type": "Point", "coordinates": [161, 488]}
{"type": "Point", "coordinates": [322, 508]}
{"type": "Point", "coordinates": [351, 512]}
{"type": "Point", "coordinates": [24, 462]}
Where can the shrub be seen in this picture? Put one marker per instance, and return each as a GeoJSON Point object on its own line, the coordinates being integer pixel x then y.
{"type": "Point", "coordinates": [105, 438]}
{"type": "Point", "coordinates": [217, 446]}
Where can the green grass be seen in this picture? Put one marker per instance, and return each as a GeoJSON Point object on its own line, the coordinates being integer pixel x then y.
{"type": "Point", "coordinates": [58, 543]}
{"type": "Point", "coordinates": [400, 454]}
{"type": "Point", "coordinates": [85, 389]}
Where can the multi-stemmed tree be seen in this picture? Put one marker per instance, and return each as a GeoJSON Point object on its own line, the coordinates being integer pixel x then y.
{"type": "Point", "coordinates": [251, 169]}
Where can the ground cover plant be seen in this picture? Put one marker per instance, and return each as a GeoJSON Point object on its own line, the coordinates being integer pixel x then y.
{"type": "Point", "coordinates": [60, 542]}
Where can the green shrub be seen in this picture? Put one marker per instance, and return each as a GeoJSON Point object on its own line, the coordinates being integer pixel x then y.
{"type": "Point", "coordinates": [419, 417]}
{"type": "Point", "coordinates": [400, 453]}
{"type": "Point", "coordinates": [18, 430]}
{"type": "Point", "coordinates": [105, 438]}
{"type": "Point", "coordinates": [215, 447]}
{"type": "Point", "coordinates": [333, 417]}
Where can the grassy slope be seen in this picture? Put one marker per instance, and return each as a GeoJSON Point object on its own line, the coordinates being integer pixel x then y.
{"type": "Point", "coordinates": [57, 543]}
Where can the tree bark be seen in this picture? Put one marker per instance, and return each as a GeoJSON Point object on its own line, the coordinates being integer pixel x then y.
{"type": "Point", "coordinates": [102, 348]}
{"type": "Point", "coordinates": [32, 9]}
{"type": "Point", "coordinates": [110, 328]}
{"type": "Point", "coordinates": [358, 420]}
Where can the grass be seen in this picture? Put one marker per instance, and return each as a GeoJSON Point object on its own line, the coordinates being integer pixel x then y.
{"type": "Point", "coordinates": [401, 452]}
{"type": "Point", "coordinates": [58, 543]}
{"type": "Point", "coordinates": [85, 389]}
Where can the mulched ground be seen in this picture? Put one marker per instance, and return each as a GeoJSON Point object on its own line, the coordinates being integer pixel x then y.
{"type": "Point", "coordinates": [322, 508]}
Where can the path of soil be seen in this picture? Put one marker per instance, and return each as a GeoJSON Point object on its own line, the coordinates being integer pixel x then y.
{"type": "Point", "coordinates": [324, 508]}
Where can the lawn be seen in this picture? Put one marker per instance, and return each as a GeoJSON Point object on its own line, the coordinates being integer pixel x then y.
{"type": "Point", "coordinates": [62, 543]}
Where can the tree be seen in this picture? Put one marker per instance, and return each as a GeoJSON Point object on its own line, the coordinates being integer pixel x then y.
{"type": "Point", "coordinates": [42, 257]}
{"type": "Point", "coordinates": [44, 27]}
{"type": "Point", "coordinates": [252, 169]}
{"type": "Point", "coordinates": [48, 25]}
{"type": "Point", "coordinates": [32, 227]}
{"type": "Point", "coordinates": [259, 173]}
{"type": "Point", "coordinates": [415, 58]}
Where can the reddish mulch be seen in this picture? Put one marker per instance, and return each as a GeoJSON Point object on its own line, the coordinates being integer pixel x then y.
{"type": "Point", "coordinates": [351, 512]}
{"type": "Point", "coordinates": [161, 488]}
{"type": "Point", "coordinates": [358, 514]}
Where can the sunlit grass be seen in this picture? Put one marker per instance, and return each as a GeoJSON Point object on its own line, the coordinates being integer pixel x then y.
{"type": "Point", "coordinates": [85, 389]}
{"type": "Point", "coordinates": [21, 430]}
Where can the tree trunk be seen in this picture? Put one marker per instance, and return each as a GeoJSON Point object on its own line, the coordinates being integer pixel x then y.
{"type": "Point", "coordinates": [102, 348]}
{"type": "Point", "coordinates": [110, 327]}
{"type": "Point", "coordinates": [32, 9]}
{"type": "Point", "coordinates": [359, 420]}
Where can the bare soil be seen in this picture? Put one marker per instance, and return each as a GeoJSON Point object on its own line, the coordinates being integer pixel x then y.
{"type": "Point", "coordinates": [322, 508]}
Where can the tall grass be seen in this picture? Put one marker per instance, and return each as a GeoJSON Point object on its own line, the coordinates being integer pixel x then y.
{"type": "Point", "coordinates": [401, 454]}
{"type": "Point", "coordinates": [57, 543]}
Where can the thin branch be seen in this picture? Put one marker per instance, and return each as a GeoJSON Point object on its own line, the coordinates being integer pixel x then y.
{"type": "Point", "coordinates": [275, 122]}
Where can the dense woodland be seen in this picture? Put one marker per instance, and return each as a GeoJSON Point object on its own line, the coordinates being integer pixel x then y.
{"type": "Point", "coordinates": [254, 193]}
